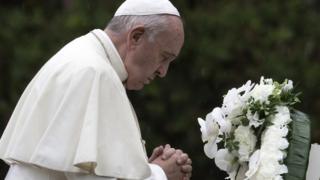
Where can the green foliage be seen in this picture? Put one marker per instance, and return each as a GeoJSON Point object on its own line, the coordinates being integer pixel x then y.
{"type": "Point", "coordinates": [231, 144]}
{"type": "Point", "coordinates": [226, 43]}
{"type": "Point", "coordinates": [299, 139]}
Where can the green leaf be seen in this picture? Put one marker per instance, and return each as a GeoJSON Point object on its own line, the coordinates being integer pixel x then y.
{"type": "Point", "coordinates": [298, 152]}
{"type": "Point", "coordinates": [245, 121]}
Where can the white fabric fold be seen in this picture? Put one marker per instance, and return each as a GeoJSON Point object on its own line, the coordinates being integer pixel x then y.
{"type": "Point", "coordinates": [75, 116]}
{"type": "Point", "coordinates": [27, 172]}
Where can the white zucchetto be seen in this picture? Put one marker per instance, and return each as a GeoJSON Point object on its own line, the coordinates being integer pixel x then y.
{"type": "Point", "coordinates": [146, 7]}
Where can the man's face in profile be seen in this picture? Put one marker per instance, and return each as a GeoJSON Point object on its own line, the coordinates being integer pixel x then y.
{"type": "Point", "coordinates": [149, 58]}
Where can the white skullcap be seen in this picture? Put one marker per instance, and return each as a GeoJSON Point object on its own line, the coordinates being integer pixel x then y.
{"type": "Point", "coordinates": [146, 7]}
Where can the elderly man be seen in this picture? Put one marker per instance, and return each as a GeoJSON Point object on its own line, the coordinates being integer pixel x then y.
{"type": "Point", "coordinates": [75, 121]}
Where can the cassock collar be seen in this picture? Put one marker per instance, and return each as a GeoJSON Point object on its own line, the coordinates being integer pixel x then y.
{"type": "Point", "coordinates": [111, 53]}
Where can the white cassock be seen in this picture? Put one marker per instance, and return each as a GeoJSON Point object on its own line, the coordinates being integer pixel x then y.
{"type": "Point", "coordinates": [75, 121]}
{"type": "Point", "coordinates": [313, 172]}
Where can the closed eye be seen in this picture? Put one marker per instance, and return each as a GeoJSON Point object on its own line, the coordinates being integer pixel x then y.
{"type": "Point", "coordinates": [167, 56]}
{"type": "Point", "coordinates": [164, 59]}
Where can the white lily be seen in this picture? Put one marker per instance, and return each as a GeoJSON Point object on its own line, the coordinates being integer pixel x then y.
{"type": "Point", "coordinates": [261, 92]}
{"type": "Point", "coordinates": [232, 106]}
{"type": "Point", "coordinates": [245, 90]}
{"type": "Point", "coordinates": [226, 161]}
{"type": "Point", "coordinates": [254, 119]}
{"type": "Point", "coordinates": [210, 149]}
{"type": "Point", "coordinates": [266, 81]}
{"type": "Point", "coordinates": [225, 125]}
{"type": "Point", "coordinates": [254, 163]}
{"type": "Point", "coordinates": [209, 133]}
{"type": "Point", "coordinates": [288, 86]}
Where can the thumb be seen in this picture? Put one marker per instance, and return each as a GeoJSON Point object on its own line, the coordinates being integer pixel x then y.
{"type": "Point", "coordinates": [156, 152]}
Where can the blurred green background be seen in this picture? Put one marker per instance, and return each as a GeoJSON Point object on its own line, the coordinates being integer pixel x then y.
{"type": "Point", "coordinates": [227, 43]}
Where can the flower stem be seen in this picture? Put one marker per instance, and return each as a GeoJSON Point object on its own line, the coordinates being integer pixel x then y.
{"type": "Point", "coordinates": [237, 172]}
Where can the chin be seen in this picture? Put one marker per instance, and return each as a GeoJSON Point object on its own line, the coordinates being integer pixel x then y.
{"type": "Point", "coordinates": [134, 87]}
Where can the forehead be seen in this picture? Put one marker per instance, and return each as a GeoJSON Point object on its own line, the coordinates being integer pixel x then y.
{"type": "Point", "coordinates": [171, 40]}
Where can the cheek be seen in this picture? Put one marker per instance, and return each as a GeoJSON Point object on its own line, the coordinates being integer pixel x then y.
{"type": "Point", "coordinates": [136, 75]}
{"type": "Point", "coordinates": [142, 65]}
{"type": "Point", "coordinates": [146, 66]}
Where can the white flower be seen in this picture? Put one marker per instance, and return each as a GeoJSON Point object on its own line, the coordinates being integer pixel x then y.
{"type": "Point", "coordinates": [261, 92]}
{"type": "Point", "coordinates": [245, 90]}
{"type": "Point", "coordinates": [275, 132]}
{"type": "Point", "coordinates": [269, 168]}
{"type": "Point", "coordinates": [234, 102]}
{"type": "Point", "coordinates": [208, 128]}
{"type": "Point", "coordinates": [265, 81]}
{"type": "Point", "coordinates": [275, 137]}
{"type": "Point", "coordinates": [278, 178]}
{"type": "Point", "coordinates": [247, 142]}
{"type": "Point", "coordinates": [217, 115]}
{"type": "Point", "coordinates": [210, 133]}
{"type": "Point", "coordinates": [282, 117]}
{"type": "Point", "coordinates": [210, 149]}
{"type": "Point", "coordinates": [273, 141]}
{"type": "Point", "coordinates": [254, 164]}
{"type": "Point", "coordinates": [265, 163]}
{"type": "Point", "coordinates": [288, 86]}
{"type": "Point", "coordinates": [254, 119]}
{"type": "Point", "coordinates": [226, 161]}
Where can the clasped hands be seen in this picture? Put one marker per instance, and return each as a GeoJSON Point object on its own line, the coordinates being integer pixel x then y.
{"type": "Point", "coordinates": [175, 163]}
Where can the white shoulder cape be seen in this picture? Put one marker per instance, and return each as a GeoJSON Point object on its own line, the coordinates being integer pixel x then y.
{"type": "Point", "coordinates": [75, 115]}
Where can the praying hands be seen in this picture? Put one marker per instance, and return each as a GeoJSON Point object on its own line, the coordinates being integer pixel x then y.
{"type": "Point", "coordinates": [175, 163]}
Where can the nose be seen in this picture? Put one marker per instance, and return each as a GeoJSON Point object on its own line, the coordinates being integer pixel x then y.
{"type": "Point", "coordinates": [162, 70]}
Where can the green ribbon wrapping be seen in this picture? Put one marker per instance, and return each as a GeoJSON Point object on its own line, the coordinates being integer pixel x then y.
{"type": "Point", "coordinates": [298, 151]}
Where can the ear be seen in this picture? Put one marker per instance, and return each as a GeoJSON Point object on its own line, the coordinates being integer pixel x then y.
{"type": "Point", "coordinates": [135, 36]}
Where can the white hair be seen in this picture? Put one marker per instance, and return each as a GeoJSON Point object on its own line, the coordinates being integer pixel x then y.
{"type": "Point", "coordinates": [153, 24]}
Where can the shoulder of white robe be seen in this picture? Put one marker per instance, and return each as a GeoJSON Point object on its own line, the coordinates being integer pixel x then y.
{"type": "Point", "coordinates": [77, 99]}
{"type": "Point", "coordinates": [111, 53]}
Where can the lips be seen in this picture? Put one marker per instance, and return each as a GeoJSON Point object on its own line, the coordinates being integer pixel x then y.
{"type": "Point", "coordinates": [148, 81]}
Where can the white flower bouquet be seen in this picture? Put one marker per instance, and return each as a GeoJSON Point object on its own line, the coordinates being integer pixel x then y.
{"type": "Point", "coordinates": [257, 135]}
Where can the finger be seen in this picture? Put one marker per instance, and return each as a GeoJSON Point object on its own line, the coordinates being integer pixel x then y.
{"type": "Point", "coordinates": [189, 161]}
{"type": "Point", "coordinates": [183, 159]}
{"type": "Point", "coordinates": [167, 146]}
{"type": "Point", "coordinates": [179, 152]}
{"type": "Point", "coordinates": [186, 169]}
{"type": "Point", "coordinates": [167, 153]}
{"type": "Point", "coordinates": [187, 176]}
{"type": "Point", "coordinates": [156, 152]}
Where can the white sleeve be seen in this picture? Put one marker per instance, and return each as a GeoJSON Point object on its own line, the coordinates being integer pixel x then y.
{"type": "Point", "coordinates": [156, 174]}
{"type": "Point", "coordinates": [77, 176]}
